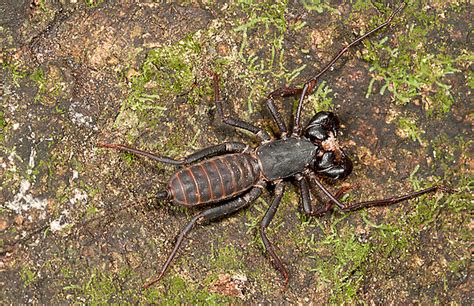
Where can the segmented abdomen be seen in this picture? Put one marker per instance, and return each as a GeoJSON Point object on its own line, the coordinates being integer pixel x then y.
{"type": "Point", "coordinates": [215, 179]}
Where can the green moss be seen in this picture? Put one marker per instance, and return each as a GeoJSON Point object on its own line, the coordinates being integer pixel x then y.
{"type": "Point", "coordinates": [317, 5]}
{"type": "Point", "coordinates": [179, 291]}
{"type": "Point", "coordinates": [342, 265]}
{"type": "Point", "coordinates": [91, 211]}
{"type": "Point", "coordinates": [413, 70]}
{"type": "Point", "coordinates": [266, 17]}
{"type": "Point", "coordinates": [66, 272]}
{"type": "Point", "coordinates": [362, 5]}
{"type": "Point", "coordinates": [470, 79]}
{"type": "Point", "coordinates": [175, 144]}
{"type": "Point", "coordinates": [337, 256]}
{"type": "Point", "coordinates": [129, 158]}
{"type": "Point", "coordinates": [100, 287]}
{"type": "Point", "coordinates": [3, 122]}
{"type": "Point", "coordinates": [262, 53]}
{"type": "Point", "coordinates": [93, 3]}
{"type": "Point", "coordinates": [38, 76]}
{"type": "Point", "coordinates": [166, 73]}
{"type": "Point", "coordinates": [442, 152]}
{"type": "Point", "coordinates": [27, 276]}
{"type": "Point", "coordinates": [15, 72]}
{"type": "Point", "coordinates": [390, 240]}
{"type": "Point", "coordinates": [458, 265]}
{"type": "Point", "coordinates": [226, 258]}
{"type": "Point", "coordinates": [461, 200]}
{"type": "Point", "coordinates": [42, 5]}
{"type": "Point", "coordinates": [50, 86]}
{"type": "Point", "coordinates": [410, 129]}
{"type": "Point", "coordinates": [3, 125]}
{"type": "Point", "coordinates": [322, 98]}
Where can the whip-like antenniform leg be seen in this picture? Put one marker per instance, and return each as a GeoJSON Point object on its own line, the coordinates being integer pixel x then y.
{"type": "Point", "coordinates": [226, 147]}
{"type": "Point", "coordinates": [311, 83]}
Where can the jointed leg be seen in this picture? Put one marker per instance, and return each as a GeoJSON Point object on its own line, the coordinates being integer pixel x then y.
{"type": "Point", "coordinates": [306, 199]}
{"type": "Point", "coordinates": [280, 189]}
{"type": "Point", "coordinates": [161, 159]}
{"type": "Point", "coordinates": [311, 83]}
{"type": "Point", "coordinates": [206, 216]}
{"type": "Point", "coordinates": [226, 147]}
{"type": "Point", "coordinates": [277, 116]}
{"type": "Point", "coordinates": [232, 121]}
{"type": "Point", "coordinates": [374, 203]}
{"type": "Point", "coordinates": [305, 195]}
{"type": "Point", "coordinates": [285, 91]}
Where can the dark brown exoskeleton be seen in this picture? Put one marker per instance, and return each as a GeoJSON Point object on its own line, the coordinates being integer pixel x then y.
{"type": "Point", "coordinates": [229, 176]}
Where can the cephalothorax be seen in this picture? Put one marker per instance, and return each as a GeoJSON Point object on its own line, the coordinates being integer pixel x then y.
{"type": "Point", "coordinates": [230, 176]}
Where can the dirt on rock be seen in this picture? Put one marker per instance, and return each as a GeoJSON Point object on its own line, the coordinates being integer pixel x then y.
{"type": "Point", "coordinates": [81, 224]}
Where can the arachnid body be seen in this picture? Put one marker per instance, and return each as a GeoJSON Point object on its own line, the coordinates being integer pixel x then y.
{"type": "Point", "coordinates": [228, 177]}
